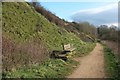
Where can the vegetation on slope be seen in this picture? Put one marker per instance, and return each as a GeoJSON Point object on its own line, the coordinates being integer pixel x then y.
{"type": "Point", "coordinates": [108, 33]}
{"type": "Point", "coordinates": [29, 38]}
{"type": "Point", "coordinates": [49, 69]}
{"type": "Point", "coordinates": [75, 27]}
{"type": "Point", "coordinates": [111, 64]}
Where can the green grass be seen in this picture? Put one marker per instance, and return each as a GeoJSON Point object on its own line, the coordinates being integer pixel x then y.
{"type": "Point", "coordinates": [85, 49]}
{"type": "Point", "coordinates": [49, 69]}
{"type": "Point", "coordinates": [111, 64]}
{"type": "Point", "coordinates": [20, 22]}
{"type": "Point", "coordinates": [21, 27]}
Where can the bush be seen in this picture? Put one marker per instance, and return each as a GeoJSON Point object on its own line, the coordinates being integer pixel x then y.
{"type": "Point", "coordinates": [19, 54]}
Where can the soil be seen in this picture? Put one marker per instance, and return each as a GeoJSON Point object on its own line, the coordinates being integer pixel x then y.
{"type": "Point", "coordinates": [92, 65]}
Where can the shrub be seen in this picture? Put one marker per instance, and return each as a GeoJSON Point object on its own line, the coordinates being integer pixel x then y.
{"type": "Point", "coordinates": [19, 54]}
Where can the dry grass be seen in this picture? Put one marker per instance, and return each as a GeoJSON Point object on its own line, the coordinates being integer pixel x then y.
{"type": "Point", "coordinates": [19, 54]}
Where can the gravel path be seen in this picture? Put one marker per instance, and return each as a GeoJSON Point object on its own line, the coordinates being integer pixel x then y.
{"type": "Point", "coordinates": [91, 66]}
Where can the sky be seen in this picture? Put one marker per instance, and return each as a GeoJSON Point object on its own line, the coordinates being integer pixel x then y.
{"type": "Point", "coordinates": [97, 13]}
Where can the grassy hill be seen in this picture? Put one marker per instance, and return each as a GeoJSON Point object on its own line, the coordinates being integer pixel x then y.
{"type": "Point", "coordinates": [74, 27]}
{"type": "Point", "coordinates": [29, 38]}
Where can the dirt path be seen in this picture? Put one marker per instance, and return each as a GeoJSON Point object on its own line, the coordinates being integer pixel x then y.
{"type": "Point", "coordinates": [91, 66]}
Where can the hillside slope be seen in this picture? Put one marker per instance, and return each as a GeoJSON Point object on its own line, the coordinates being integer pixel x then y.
{"type": "Point", "coordinates": [29, 38]}
{"type": "Point", "coordinates": [74, 27]}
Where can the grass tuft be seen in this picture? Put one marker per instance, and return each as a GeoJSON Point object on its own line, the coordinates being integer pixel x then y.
{"type": "Point", "coordinates": [49, 69]}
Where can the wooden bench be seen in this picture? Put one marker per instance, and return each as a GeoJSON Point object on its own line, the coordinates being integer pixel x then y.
{"type": "Point", "coordinates": [68, 47]}
{"type": "Point", "coordinates": [65, 54]}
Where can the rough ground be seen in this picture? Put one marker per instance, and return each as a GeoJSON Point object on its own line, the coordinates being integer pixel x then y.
{"type": "Point", "coordinates": [91, 66]}
{"type": "Point", "coordinates": [115, 46]}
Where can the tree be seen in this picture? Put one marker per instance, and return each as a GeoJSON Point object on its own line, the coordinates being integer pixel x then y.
{"type": "Point", "coordinates": [108, 33]}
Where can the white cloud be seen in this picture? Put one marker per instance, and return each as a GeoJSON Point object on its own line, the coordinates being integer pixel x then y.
{"type": "Point", "coordinates": [99, 9]}
{"type": "Point", "coordinates": [109, 24]}
{"type": "Point", "coordinates": [102, 15]}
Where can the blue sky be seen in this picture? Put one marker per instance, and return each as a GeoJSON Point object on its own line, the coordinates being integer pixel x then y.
{"type": "Point", "coordinates": [96, 13]}
{"type": "Point", "coordinates": [66, 9]}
